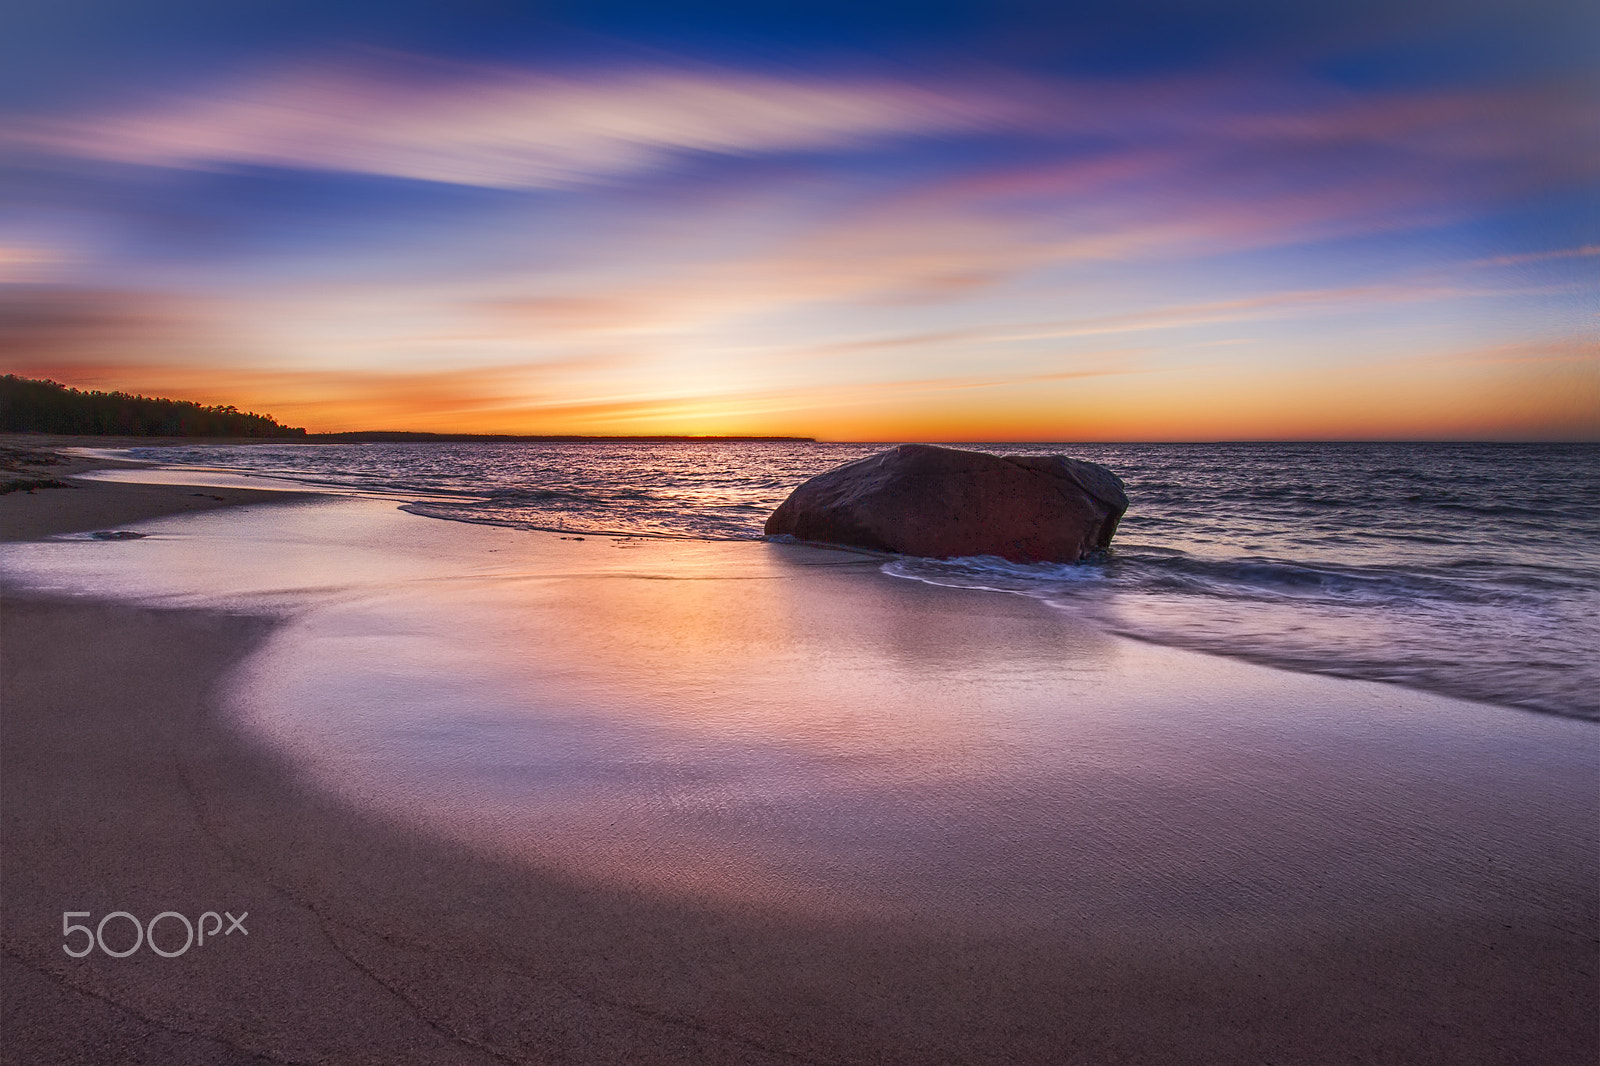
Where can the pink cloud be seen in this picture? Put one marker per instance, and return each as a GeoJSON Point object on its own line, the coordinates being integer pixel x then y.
{"type": "Point", "coordinates": [510, 127]}
{"type": "Point", "coordinates": [502, 127]}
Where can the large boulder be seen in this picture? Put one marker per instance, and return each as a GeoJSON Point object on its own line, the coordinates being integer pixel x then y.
{"type": "Point", "coordinates": [918, 499]}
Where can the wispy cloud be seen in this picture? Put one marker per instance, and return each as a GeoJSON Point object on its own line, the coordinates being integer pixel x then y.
{"type": "Point", "coordinates": [517, 128]}
{"type": "Point", "coordinates": [1577, 350]}
{"type": "Point", "coordinates": [934, 250]}
{"type": "Point", "coordinates": [942, 241]}
{"type": "Point", "coordinates": [504, 127]}
{"type": "Point", "coordinates": [27, 264]}
{"type": "Point", "coordinates": [42, 326]}
{"type": "Point", "coordinates": [1540, 257]}
{"type": "Point", "coordinates": [1291, 304]}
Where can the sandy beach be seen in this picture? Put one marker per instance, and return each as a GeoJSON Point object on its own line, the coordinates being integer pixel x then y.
{"type": "Point", "coordinates": [906, 823]}
{"type": "Point", "coordinates": [81, 505]}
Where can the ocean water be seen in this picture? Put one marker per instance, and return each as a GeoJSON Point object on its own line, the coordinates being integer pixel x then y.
{"type": "Point", "coordinates": [1467, 569]}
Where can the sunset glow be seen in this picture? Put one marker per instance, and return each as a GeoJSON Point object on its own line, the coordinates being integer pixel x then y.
{"type": "Point", "coordinates": [960, 224]}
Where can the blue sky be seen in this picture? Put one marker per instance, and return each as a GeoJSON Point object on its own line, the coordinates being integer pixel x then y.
{"type": "Point", "coordinates": [929, 221]}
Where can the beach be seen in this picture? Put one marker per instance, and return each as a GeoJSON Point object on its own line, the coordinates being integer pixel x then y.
{"type": "Point", "coordinates": [702, 802]}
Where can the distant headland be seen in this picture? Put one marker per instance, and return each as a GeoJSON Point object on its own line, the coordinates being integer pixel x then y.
{"type": "Point", "coordinates": [31, 406]}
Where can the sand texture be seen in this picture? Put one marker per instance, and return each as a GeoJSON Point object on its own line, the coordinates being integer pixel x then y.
{"type": "Point", "coordinates": [1397, 891]}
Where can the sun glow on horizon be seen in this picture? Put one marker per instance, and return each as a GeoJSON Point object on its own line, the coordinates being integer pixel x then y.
{"type": "Point", "coordinates": [940, 248]}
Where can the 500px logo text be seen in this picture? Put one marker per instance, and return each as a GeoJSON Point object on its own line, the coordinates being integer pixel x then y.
{"type": "Point", "coordinates": [146, 934]}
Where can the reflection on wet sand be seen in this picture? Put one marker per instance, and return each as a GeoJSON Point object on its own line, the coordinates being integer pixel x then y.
{"type": "Point", "coordinates": [787, 727]}
{"type": "Point", "coordinates": [665, 801]}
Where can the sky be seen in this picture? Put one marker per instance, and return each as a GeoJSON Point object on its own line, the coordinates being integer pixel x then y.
{"type": "Point", "coordinates": [1150, 220]}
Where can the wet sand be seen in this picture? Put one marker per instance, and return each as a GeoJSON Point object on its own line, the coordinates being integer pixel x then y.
{"type": "Point", "coordinates": [80, 505]}
{"type": "Point", "coordinates": [1446, 884]}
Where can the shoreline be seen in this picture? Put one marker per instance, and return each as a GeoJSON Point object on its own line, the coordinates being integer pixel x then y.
{"type": "Point", "coordinates": [88, 506]}
{"type": "Point", "coordinates": [127, 787]}
{"type": "Point", "coordinates": [81, 505]}
{"type": "Point", "coordinates": [1365, 600]}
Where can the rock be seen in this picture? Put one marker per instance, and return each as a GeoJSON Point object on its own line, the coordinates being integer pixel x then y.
{"type": "Point", "coordinates": [940, 503]}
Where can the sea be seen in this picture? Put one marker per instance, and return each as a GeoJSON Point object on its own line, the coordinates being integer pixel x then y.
{"type": "Point", "coordinates": [1471, 570]}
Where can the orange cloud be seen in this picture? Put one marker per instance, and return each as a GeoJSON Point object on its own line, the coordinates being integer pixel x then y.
{"type": "Point", "coordinates": [1547, 389]}
{"type": "Point", "coordinates": [1493, 394]}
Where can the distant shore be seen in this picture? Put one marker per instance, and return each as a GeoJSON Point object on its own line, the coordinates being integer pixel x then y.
{"type": "Point", "coordinates": [404, 437]}
{"type": "Point", "coordinates": [381, 437]}
{"type": "Point", "coordinates": [1441, 887]}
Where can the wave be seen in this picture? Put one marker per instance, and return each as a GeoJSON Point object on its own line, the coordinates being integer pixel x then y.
{"type": "Point", "coordinates": [1467, 569]}
{"type": "Point", "coordinates": [1467, 630]}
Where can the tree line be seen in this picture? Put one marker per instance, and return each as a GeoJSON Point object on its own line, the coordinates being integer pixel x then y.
{"type": "Point", "coordinates": [30, 406]}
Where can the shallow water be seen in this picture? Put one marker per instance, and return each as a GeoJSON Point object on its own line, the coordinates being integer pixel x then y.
{"type": "Point", "coordinates": [791, 728]}
{"type": "Point", "coordinates": [1468, 569]}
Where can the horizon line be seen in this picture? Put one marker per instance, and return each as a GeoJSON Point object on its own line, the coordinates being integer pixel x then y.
{"type": "Point", "coordinates": [426, 437]}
